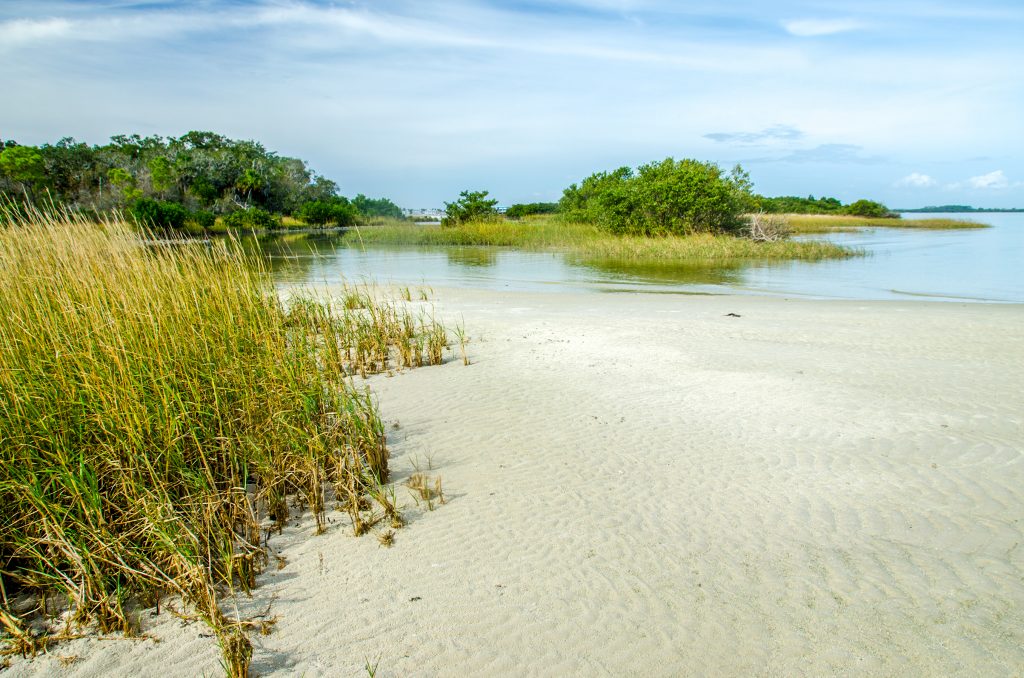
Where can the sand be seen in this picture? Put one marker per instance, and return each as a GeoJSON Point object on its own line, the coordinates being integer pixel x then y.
{"type": "Point", "coordinates": [644, 485]}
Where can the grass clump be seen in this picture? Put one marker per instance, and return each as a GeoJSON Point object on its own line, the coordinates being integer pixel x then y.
{"type": "Point", "coordinates": [531, 233]}
{"type": "Point", "coordinates": [586, 243]}
{"type": "Point", "coordinates": [705, 247]}
{"type": "Point", "coordinates": [158, 403]}
{"type": "Point", "coordinates": [828, 223]}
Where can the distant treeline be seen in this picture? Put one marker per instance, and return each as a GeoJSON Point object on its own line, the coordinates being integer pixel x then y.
{"type": "Point", "coordinates": [520, 210]}
{"type": "Point", "coordinates": [601, 182]}
{"type": "Point", "coordinates": [789, 204]}
{"type": "Point", "coordinates": [196, 177]}
{"type": "Point", "coordinates": [962, 208]}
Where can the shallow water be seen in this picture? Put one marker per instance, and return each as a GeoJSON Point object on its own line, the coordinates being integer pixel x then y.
{"type": "Point", "coordinates": [971, 265]}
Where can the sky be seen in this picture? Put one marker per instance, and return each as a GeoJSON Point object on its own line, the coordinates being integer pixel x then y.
{"type": "Point", "coordinates": [909, 102]}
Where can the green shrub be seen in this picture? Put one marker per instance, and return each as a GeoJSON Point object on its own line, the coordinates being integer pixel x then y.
{"type": "Point", "coordinates": [471, 206]}
{"type": "Point", "coordinates": [204, 219]}
{"type": "Point", "coordinates": [520, 210]}
{"type": "Point", "coordinates": [868, 208]}
{"type": "Point", "coordinates": [338, 211]}
{"type": "Point", "coordinates": [668, 197]}
{"type": "Point", "coordinates": [253, 219]}
{"type": "Point", "coordinates": [159, 213]}
{"type": "Point", "coordinates": [377, 207]}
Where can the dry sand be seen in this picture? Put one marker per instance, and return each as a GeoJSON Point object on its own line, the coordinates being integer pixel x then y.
{"type": "Point", "coordinates": [643, 485]}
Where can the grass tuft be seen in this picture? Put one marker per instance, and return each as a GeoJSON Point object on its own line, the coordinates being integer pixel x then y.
{"type": "Point", "coordinates": [158, 403]}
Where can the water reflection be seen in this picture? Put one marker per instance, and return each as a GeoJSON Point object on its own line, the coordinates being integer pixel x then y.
{"type": "Point", "coordinates": [472, 256]}
{"type": "Point", "coordinates": [666, 273]}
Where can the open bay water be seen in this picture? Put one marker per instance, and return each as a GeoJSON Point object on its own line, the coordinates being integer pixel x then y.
{"type": "Point", "coordinates": [976, 265]}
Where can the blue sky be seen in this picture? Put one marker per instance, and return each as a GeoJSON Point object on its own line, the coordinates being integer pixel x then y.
{"type": "Point", "coordinates": [910, 102]}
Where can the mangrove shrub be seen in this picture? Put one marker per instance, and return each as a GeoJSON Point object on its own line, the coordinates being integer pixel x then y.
{"type": "Point", "coordinates": [253, 219]}
{"type": "Point", "coordinates": [669, 197]}
{"type": "Point", "coordinates": [471, 206]}
{"type": "Point", "coordinates": [337, 211]}
{"type": "Point", "coordinates": [159, 213]}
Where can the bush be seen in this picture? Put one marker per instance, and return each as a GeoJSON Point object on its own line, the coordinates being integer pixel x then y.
{"type": "Point", "coordinates": [204, 219]}
{"type": "Point", "coordinates": [668, 197]}
{"type": "Point", "coordinates": [518, 211]}
{"type": "Point", "coordinates": [379, 207]}
{"type": "Point", "coordinates": [253, 219]}
{"type": "Point", "coordinates": [471, 206]}
{"type": "Point", "coordinates": [869, 208]}
{"type": "Point", "coordinates": [338, 211]}
{"type": "Point", "coordinates": [159, 213]}
{"type": "Point", "coordinates": [788, 204]}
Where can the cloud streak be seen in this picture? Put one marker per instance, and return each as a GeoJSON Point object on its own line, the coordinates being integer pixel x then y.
{"type": "Point", "coordinates": [773, 133]}
{"type": "Point", "coordinates": [811, 28]}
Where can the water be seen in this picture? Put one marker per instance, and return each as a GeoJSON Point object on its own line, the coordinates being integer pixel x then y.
{"type": "Point", "coordinates": [984, 265]}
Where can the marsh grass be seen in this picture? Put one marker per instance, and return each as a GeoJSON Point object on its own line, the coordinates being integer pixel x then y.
{"type": "Point", "coordinates": [703, 249]}
{"type": "Point", "coordinates": [536, 234]}
{"type": "Point", "coordinates": [158, 404]}
{"type": "Point", "coordinates": [587, 243]}
{"type": "Point", "coordinates": [829, 223]}
{"type": "Point", "coordinates": [425, 488]}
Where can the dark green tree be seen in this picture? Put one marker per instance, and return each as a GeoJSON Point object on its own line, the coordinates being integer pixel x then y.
{"type": "Point", "coordinates": [379, 207]}
{"type": "Point", "coordinates": [337, 211]}
{"type": "Point", "coordinates": [159, 213]}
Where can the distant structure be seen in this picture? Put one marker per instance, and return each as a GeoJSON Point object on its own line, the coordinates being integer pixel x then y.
{"type": "Point", "coordinates": [424, 213]}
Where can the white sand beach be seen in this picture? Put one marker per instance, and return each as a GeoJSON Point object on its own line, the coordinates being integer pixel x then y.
{"type": "Point", "coordinates": [644, 485]}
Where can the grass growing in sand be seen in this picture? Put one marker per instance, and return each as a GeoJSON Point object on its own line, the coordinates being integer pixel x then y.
{"type": "Point", "coordinates": [826, 223]}
{"type": "Point", "coordinates": [158, 404]}
{"type": "Point", "coordinates": [586, 243]}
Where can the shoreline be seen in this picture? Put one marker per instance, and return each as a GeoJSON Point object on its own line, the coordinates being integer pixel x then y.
{"type": "Point", "coordinates": [646, 485]}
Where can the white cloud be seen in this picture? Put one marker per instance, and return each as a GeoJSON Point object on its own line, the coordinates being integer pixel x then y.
{"type": "Point", "coordinates": [21, 31]}
{"type": "Point", "coordinates": [992, 180]}
{"type": "Point", "coordinates": [916, 180]}
{"type": "Point", "coordinates": [806, 28]}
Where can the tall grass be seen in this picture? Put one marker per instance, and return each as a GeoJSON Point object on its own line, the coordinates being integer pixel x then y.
{"type": "Point", "coordinates": [158, 404]}
{"type": "Point", "coordinates": [826, 223]}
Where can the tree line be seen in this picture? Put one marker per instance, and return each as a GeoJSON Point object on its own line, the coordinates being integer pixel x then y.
{"type": "Point", "coordinates": [168, 181]}
{"type": "Point", "coordinates": [664, 197]}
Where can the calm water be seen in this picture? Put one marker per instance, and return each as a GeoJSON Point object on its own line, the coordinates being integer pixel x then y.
{"type": "Point", "coordinates": [974, 265]}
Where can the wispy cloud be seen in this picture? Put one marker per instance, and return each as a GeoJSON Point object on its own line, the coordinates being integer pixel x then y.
{"type": "Point", "coordinates": [808, 28]}
{"type": "Point", "coordinates": [991, 181]}
{"type": "Point", "coordinates": [916, 180]}
{"type": "Point", "coordinates": [526, 95]}
{"type": "Point", "coordinates": [832, 154]}
{"type": "Point", "coordinates": [773, 133]}
{"type": "Point", "coordinates": [17, 32]}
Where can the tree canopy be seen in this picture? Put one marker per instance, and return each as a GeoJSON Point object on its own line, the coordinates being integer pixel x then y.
{"type": "Point", "coordinates": [660, 198]}
{"type": "Point", "coordinates": [520, 210]}
{"type": "Point", "coordinates": [200, 172]}
{"type": "Point", "coordinates": [788, 204]}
